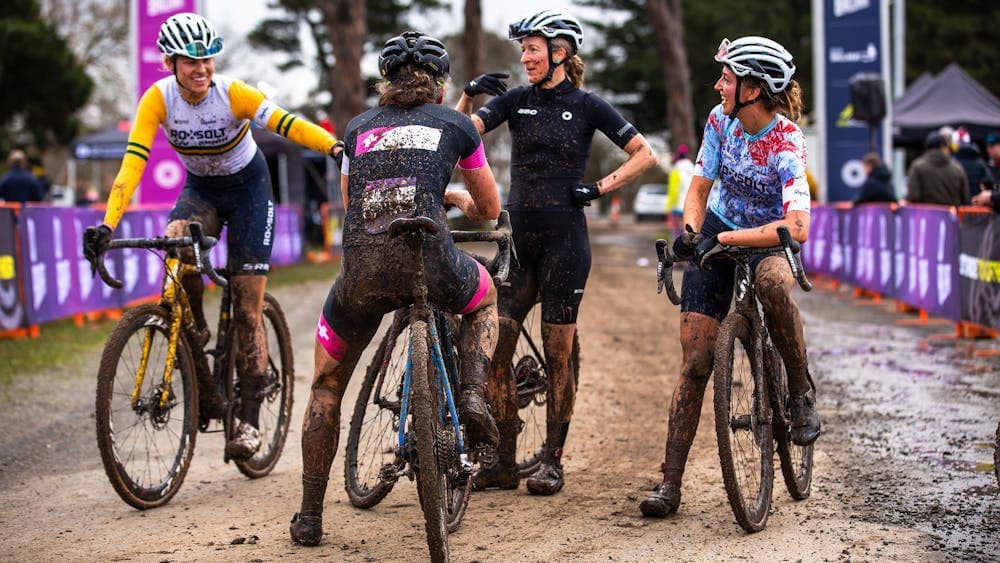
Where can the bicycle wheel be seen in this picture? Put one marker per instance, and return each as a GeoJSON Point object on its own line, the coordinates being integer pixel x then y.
{"type": "Point", "coordinates": [371, 464]}
{"type": "Point", "coordinates": [532, 382]}
{"type": "Point", "coordinates": [146, 448]}
{"type": "Point", "coordinates": [277, 391]}
{"type": "Point", "coordinates": [742, 423]}
{"type": "Point", "coordinates": [431, 481]}
{"type": "Point", "coordinates": [796, 461]}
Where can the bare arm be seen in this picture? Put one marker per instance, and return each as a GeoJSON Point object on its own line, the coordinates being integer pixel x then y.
{"type": "Point", "coordinates": [697, 202]}
{"type": "Point", "coordinates": [481, 202]}
{"type": "Point", "coordinates": [767, 235]}
{"type": "Point", "coordinates": [640, 158]}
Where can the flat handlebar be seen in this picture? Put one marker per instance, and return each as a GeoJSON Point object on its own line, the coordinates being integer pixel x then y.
{"type": "Point", "coordinates": [789, 247]}
{"type": "Point", "coordinates": [198, 242]}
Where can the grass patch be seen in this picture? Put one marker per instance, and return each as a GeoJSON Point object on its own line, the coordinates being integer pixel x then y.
{"type": "Point", "coordinates": [62, 342]}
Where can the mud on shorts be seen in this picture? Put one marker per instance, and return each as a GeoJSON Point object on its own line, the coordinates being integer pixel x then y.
{"type": "Point", "coordinates": [379, 278]}
{"type": "Point", "coordinates": [553, 263]}
{"type": "Point", "coordinates": [243, 203]}
{"type": "Point", "coordinates": [710, 292]}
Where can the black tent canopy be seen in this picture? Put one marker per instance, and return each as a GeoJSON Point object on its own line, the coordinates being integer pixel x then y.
{"type": "Point", "coordinates": [951, 98]}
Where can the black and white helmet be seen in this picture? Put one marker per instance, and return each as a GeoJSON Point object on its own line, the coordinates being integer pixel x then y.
{"type": "Point", "coordinates": [414, 47]}
{"type": "Point", "coordinates": [189, 35]}
{"type": "Point", "coordinates": [759, 57]}
{"type": "Point", "coordinates": [549, 24]}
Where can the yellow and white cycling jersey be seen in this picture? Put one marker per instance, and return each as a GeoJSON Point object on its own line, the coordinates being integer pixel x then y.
{"type": "Point", "coordinates": [211, 136]}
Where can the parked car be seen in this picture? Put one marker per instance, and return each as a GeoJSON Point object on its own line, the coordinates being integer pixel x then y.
{"type": "Point", "coordinates": [650, 203]}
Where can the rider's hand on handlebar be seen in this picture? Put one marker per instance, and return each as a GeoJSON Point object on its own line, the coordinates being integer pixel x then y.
{"type": "Point", "coordinates": [706, 249]}
{"type": "Point", "coordinates": [95, 241]}
{"type": "Point", "coordinates": [490, 83]}
{"type": "Point", "coordinates": [684, 245]}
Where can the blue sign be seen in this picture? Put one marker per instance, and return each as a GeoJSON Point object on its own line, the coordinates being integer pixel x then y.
{"type": "Point", "coordinates": [852, 44]}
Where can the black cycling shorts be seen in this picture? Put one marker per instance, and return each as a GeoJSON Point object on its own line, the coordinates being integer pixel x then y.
{"type": "Point", "coordinates": [243, 202]}
{"type": "Point", "coordinates": [553, 263]}
{"type": "Point", "coordinates": [710, 292]}
{"type": "Point", "coordinates": [379, 278]}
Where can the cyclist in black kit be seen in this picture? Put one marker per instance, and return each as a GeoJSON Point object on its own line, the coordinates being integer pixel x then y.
{"type": "Point", "coordinates": [398, 158]}
{"type": "Point", "coordinates": [552, 123]}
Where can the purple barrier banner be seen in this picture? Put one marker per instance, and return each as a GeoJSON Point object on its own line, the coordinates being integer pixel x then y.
{"type": "Point", "coordinates": [842, 256]}
{"type": "Point", "coordinates": [141, 271]}
{"type": "Point", "coordinates": [12, 311]}
{"type": "Point", "coordinates": [979, 268]}
{"type": "Point", "coordinates": [58, 282]}
{"type": "Point", "coordinates": [872, 238]}
{"type": "Point", "coordinates": [927, 237]}
{"type": "Point", "coordinates": [816, 250]}
{"type": "Point", "coordinates": [287, 243]}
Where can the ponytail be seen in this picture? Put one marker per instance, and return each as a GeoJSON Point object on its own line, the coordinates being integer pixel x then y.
{"type": "Point", "coordinates": [787, 102]}
{"type": "Point", "coordinates": [574, 66]}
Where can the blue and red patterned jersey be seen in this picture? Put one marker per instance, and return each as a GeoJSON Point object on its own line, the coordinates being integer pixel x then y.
{"type": "Point", "coordinates": [762, 176]}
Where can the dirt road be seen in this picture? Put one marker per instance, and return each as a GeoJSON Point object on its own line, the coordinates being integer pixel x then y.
{"type": "Point", "coordinates": [901, 470]}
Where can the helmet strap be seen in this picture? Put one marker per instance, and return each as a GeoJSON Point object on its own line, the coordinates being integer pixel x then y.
{"type": "Point", "coordinates": [740, 105]}
{"type": "Point", "coordinates": [552, 63]}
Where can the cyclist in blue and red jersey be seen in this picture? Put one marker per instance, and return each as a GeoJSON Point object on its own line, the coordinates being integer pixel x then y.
{"type": "Point", "coordinates": [753, 147]}
{"type": "Point", "coordinates": [206, 118]}
{"type": "Point", "coordinates": [397, 162]}
{"type": "Point", "coordinates": [552, 123]}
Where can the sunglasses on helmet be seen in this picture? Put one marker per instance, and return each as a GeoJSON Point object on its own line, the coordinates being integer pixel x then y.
{"type": "Point", "coordinates": [198, 48]}
{"type": "Point", "coordinates": [723, 51]}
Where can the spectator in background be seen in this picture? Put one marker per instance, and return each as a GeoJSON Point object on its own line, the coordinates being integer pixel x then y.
{"type": "Point", "coordinates": [19, 185]}
{"type": "Point", "coordinates": [991, 197]}
{"type": "Point", "coordinates": [878, 184]}
{"type": "Point", "coordinates": [935, 177]}
{"type": "Point", "coordinates": [677, 187]}
{"type": "Point", "coordinates": [38, 171]}
{"type": "Point", "coordinates": [969, 158]}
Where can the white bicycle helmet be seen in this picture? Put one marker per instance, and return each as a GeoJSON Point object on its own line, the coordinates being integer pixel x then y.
{"type": "Point", "coordinates": [189, 35]}
{"type": "Point", "coordinates": [759, 57]}
{"type": "Point", "coordinates": [549, 24]}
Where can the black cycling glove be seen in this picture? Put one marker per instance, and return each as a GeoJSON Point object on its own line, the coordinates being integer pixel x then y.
{"type": "Point", "coordinates": [706, 249]}
{"type": "Point", "coordinates": [583, 193]}
{"type": "Point", "coordinates": [684, 245]}
{"type": "Point", "coordinates": [338, 155]}
{"type": "Point", "coordinates": [95, 241]}
{"type": "Point", "coordinates": [490, 83]}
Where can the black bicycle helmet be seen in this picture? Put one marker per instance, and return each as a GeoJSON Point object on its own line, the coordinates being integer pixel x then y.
{"type": "Point", "coordinates": [549, 24]}
{"type": "Point", "coordinates": [413, 47]}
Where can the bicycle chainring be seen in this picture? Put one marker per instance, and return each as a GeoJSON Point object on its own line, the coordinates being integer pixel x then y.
{"type": "Point", "coordinates": [530, 380]}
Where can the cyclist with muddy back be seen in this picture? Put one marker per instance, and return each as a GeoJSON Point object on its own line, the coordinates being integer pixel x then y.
{"type": "Point", "coordinates": [552, 123]}
{"type": "Point", "coordinates": [207, 119]}
{"type": "Point", "coordinates": [398, 160]}
{"type": "Point", "coordinates": [754, 148]}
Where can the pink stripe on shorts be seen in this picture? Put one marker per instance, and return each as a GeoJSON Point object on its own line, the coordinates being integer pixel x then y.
{"type": "Point", "coordinates": [484, 286]}
{"type": "Point", "coordinates": [332, 343]}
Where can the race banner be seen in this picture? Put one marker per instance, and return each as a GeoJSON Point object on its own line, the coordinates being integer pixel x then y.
{"type": "Point", "coordinates": [164, 176]}
{"type": "Point", "coordinates": [816, 250]}
{"type": "Point", "coordinates": [979, 268]}
{"type": "Point", "coordinates": [141, 270]}
{"type": "Point", "coordinates": [287, 247]}
{"type": "Point", "coordinates": [927, 239]}
{"type": "Point", "coordinates": [13, 315]}
{"type": "Point", "coordinates": [872, 238]}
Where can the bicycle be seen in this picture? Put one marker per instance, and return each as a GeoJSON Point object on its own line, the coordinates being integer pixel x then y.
{"type": "Point", "coordinates": [751, 391]}
{"type": "Point", "coordinates": [156, 391]}
{"type": "Point", "coordinates": [405, 413]}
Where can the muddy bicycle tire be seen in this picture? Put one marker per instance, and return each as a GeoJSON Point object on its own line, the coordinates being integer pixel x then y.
{"type": "Point", "coordinates": [372, 440]}
{"type": "Point", "coordinates": [431, 481]}
{"type": "Point", "coordinates": [146, 450]}
{"type": "Point", "coordinates": [796, 461]}
{"type": "Point", "coordinates": [531, 378]}
{"type": "Point", "coordinates": [742, 423]}
{"type": "Point", "coordinates": [279, 387]}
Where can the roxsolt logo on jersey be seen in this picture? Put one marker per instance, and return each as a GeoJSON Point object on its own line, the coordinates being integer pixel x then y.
{"type": "Point", "coordinates": [270, 223]}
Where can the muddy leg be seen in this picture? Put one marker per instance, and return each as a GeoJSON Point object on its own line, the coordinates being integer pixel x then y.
{"type": "Point", "coordinates": [557, 340]}
{"type": "Point", "coordinates": [477, 344]}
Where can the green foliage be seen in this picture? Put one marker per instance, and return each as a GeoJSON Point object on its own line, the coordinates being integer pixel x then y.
{"type": "Point", "coordinates": [42, 84]}
{"type": "Point", "coordinates": [940, 33]}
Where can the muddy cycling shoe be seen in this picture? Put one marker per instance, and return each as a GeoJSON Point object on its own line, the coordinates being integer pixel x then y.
{"type": "Point", "coordinates": [548, 480]}
{"type": "Point", "coordinates": [805, 420]}
{"type": "Point", "coordinates": [245, 443]}
{"type": "Point", "coordinates": [479, 424]}
{"type": "Point", "coordinates": [665, 500]}
{"type": "Point", "coordinates": [496, 476]}
{"type": "Point", "coordinates": [306, 530]}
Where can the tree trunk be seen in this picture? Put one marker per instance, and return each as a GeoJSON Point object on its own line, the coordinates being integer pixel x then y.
{"type": "Point", "coordinates": [472, 43]}
{"type": "Point", "coordinates": [346, 22]}
{"type": "Point", "coordinates": [667, 19]}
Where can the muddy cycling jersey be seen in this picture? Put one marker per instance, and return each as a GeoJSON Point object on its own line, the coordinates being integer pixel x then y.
{"type": "Point", "coordinates": [762, 176]}
{"type": "Point", "coordinates": [551, 132]}
{"type": "Point", "coordinates": [211, 136]}
{"type": "Point", "coordinates": [399, 161]}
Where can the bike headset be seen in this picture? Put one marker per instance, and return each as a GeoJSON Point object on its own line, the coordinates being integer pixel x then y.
{"type": "Point", "coordinates": [188, 35]}
{"type": "Point", "coordinates": [549, 24]}
{"type": "Point", "coordinates": [425, 51]}
{"type": "Point", "coordinates": [758, 57]}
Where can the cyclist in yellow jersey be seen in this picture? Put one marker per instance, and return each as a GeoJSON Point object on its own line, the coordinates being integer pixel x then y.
{"type": "Point", "coordinates": [206, 118]}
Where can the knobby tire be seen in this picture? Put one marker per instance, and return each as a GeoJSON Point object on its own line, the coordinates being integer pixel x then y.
{"type": "Point", "coordinates": [146, 450]}
{"type": "Point", "coordinates": [742, 423]}
{"type": "Point", "coordinates": [796, 461]}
